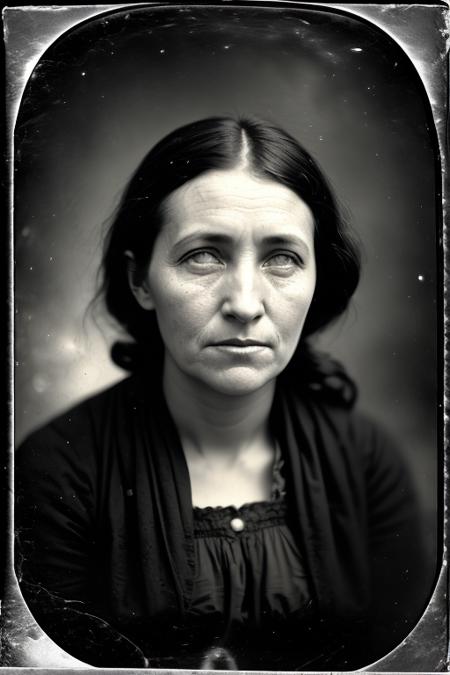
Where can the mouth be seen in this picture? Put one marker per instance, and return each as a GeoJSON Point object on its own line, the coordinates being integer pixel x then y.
{"type": "Point", "coordinates": [242, 348]}
{"type": "Point", "coordinates": [240, 342]}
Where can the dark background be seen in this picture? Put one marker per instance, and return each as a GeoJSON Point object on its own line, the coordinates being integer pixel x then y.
{"type": "Point", "coordinates": [110, 88]}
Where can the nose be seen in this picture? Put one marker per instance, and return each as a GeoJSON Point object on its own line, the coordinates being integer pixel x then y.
{"type": "Point", "coordinates": [243, 294]}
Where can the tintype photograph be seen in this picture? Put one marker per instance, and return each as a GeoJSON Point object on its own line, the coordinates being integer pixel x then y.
{"type": "Point", "coordinates": [227, 225]}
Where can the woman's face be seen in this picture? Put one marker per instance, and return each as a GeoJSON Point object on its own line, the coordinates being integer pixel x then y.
{"type": "Point", "coordinates": [231, 278]}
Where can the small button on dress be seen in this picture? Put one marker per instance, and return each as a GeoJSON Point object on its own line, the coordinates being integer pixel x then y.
{"type": "Point", "coordinates": [237, 524]}
{"type": "Point", "coordinates": [248, 565]}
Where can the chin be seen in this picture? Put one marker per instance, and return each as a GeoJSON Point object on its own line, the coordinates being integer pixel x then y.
{"type": "Point", "coordinates": [238, 381]}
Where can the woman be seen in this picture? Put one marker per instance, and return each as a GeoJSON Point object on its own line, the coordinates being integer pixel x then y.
{"type": "Point", "coordinates": [224, 505]}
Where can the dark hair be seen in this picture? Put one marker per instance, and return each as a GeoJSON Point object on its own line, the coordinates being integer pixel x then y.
{"type": "Point", "coordinates": [218, 143]}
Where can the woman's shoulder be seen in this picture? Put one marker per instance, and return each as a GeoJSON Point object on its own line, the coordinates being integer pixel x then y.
{"type": "Point", "coordinates": [360, 434]}
{"type": "Point", "coordinates": [79, 429]}
{"type": "Point", "coordinates": [376, 449]}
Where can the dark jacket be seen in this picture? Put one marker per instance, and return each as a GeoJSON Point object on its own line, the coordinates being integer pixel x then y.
{"type": "Point", "coordinates": [105, 531]}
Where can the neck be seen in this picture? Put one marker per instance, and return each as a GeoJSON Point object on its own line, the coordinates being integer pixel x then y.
{"type": "Point", "coordinates": [214, 423]}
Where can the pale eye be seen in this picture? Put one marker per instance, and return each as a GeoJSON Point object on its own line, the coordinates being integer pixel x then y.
{"type": "Point", "coordinates": [202, 258]}
{"type": "Point", "coordinates": [282, 260]}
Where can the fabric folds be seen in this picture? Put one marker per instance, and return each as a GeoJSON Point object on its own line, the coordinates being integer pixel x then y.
{"type": "Point", "coordinates": [104, 520]}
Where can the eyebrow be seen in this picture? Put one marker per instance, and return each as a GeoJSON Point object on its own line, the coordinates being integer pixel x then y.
{"type": "Point", "coordinates": [286, 240]}
{"type": "Point", "coordinates": [220, 238]}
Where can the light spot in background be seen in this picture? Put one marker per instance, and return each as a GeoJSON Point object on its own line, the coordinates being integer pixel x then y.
{"type": "Point", "coordinates": [421, 277]}
{"type": "Point", "coordinates": [69, 346]}
{"type": "Point", "coordinates": [40, 383]}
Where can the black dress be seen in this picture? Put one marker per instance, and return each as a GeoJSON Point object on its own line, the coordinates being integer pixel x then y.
{"type": "Point", "coordinates": [121, 571]}
{"type": "Point", "coordinates": [252, 585]}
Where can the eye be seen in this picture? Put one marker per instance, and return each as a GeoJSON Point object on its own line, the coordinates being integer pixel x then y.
{"type": "Point", "coordinates": [202, 259]}
{"type": "Point", "coordinates": [283, 261]}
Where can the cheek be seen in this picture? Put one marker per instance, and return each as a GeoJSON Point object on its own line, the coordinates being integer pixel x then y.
{"type": "Point", "coordinates": [293, 311]}
{"type": "Point", "coordinates": [179, 309]}
{"type": "Point", "coordinates": [293, 320]}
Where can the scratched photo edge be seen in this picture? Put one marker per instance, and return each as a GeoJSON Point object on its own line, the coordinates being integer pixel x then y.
{"type": "Point", "coordinates": [441, 584]}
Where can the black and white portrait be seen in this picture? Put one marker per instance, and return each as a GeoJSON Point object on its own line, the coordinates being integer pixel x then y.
{"type": "Point", "coordinates": [227, 363]}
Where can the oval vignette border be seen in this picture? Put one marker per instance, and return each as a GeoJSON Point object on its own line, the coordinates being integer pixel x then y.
{"type": "Point", "coordinates": [429, 639]}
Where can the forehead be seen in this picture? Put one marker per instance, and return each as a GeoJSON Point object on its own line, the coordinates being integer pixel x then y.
{"type": "Point", "coordinates": [236, 198]}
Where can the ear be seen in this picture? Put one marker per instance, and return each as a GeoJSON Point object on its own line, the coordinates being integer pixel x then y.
{"type": "Point", "coordinates": [141, 290]}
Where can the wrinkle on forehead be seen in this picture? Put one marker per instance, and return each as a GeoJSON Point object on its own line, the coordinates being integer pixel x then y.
{"type": "Point", "coordinates": [219, 190]}
{"type": "Point", "coordinates": [216, 190]}
{"type": "Point", "coordinates": [225, 201]}
{"type": "Point", "coordinates": [218, 182]}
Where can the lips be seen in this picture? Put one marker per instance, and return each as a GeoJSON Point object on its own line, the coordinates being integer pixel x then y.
{"type": "Point", "coordinates": [241, 342]}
